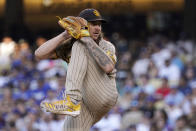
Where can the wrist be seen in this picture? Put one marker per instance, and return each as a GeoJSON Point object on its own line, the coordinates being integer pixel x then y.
{"type": "Point", "coordinates": [66, 35]}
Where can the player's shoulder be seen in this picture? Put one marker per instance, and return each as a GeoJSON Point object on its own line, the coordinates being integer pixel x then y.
{"type": "Point", "coordinates": [78, 46]}
{"type": "Point", "coordinates": [108, 44]}
{"type": "Point", "coordinates": [77, 43]}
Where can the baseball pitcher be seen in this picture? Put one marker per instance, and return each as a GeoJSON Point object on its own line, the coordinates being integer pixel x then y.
{"type": "Point", "coordinates": [90, 83]}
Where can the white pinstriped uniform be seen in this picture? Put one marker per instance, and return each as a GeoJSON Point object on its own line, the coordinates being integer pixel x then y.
{"type": "Point", "coordinates": [87, 82]}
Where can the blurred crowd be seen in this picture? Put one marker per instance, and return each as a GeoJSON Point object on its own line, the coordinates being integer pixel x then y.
{"type": "Point", "coordinates": [156, 81]}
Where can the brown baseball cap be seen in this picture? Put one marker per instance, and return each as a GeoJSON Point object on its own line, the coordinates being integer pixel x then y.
{"type": "Point", "coordinates": [91, 15]}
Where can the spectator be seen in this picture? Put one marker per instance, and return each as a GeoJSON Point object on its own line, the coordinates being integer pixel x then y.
{"type": "Point", "coordinates": [145, 86]}
{"type": "Point", "coordinates": [164, 90]}
{"type": "Point", "coordinates": [132, 116]}
{"type": "Point", "coordinates": [170, 71]}
{"type": "Point", "coordinates": [175, 96]}
{"type": "Point", "coordinates": [182, 124]}
{"type": "Point", "coordinates": [6, 49]}
{"type": "Point", "coordinates": [141, 65]}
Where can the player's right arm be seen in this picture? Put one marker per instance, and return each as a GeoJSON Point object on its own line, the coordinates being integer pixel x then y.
{"type": "Point", "coordinates": [48, 49]}
{"type": "Point", "coordinates": [104, 60]}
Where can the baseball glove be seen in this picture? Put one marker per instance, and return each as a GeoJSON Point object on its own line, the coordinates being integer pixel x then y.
{"type": "Point", "coordinates": [77, 27]}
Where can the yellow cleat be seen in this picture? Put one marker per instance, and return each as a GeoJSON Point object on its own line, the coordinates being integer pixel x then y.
{"type": "Point", "coordinates": [63, 107]}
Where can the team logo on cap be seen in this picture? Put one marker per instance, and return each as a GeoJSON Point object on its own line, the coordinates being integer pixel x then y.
{"type": "Point", "coordinates": [96, 13]}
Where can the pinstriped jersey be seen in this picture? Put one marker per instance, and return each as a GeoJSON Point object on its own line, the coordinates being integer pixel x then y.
{"type": "Point", "coordinates": [88, 82]}
{"type": "Point", "coordinates": [100, 91]}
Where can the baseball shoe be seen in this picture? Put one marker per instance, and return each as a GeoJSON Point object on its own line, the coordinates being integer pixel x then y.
{"type": "Point", "coordinates": [63, 107]}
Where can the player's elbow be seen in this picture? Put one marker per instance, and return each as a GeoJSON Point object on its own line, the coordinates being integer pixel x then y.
{"type": "Point", "coordinates": [38, 55]}
{"type": "Point", "coordinates": [109, 68]}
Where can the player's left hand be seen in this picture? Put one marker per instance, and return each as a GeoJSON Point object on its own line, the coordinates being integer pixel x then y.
{"type": "Point", "coordinates": [77, 27]}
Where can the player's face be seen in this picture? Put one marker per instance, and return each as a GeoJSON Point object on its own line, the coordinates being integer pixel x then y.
{"type": "Point", "coordinates": [95, 29]}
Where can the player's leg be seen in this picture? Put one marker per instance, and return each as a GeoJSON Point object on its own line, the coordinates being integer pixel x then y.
{"type": "Point", "coordinates": [70, 105]}
{"type": "Point", "coordinates": [82, 122]}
